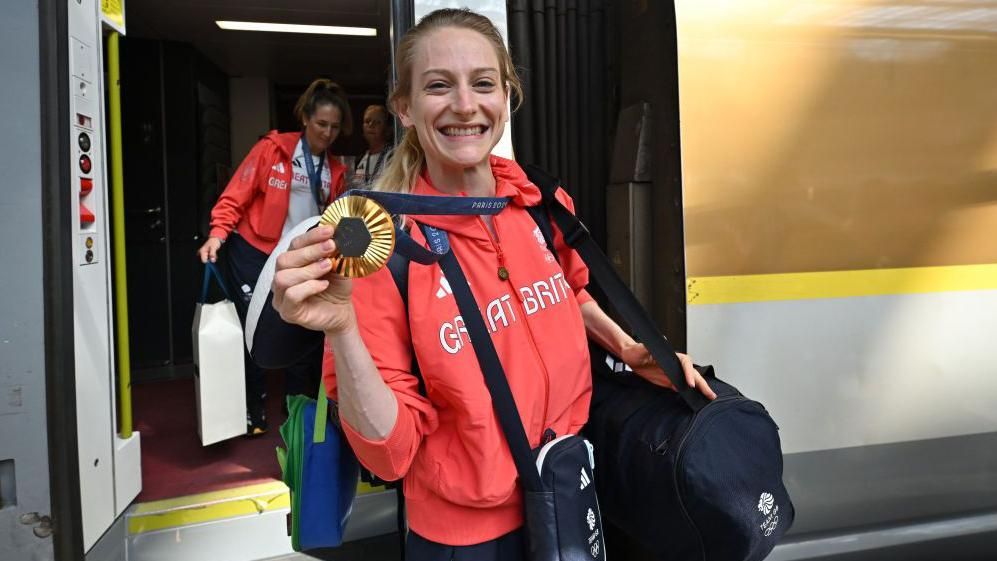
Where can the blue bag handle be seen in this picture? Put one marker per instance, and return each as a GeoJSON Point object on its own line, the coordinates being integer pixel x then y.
{"type": "Point", "coordinates": [209, 271]}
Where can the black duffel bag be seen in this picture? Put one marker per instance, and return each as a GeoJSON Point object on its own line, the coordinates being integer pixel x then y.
{"type": "Point", "coordinates": [688, 478]}
{"type": "Point", "coordinates": [704, 485]}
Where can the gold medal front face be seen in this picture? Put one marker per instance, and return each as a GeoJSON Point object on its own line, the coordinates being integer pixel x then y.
{"type": "Point", "coordinates": [379, 225]}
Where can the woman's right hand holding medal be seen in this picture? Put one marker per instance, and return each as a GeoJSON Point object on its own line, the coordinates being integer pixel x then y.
{"type": "Point", "coordinates": [306, 291]}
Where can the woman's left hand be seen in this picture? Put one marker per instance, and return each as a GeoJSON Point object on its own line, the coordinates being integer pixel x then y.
{"type": "Point", "coordinates": [643, 364]}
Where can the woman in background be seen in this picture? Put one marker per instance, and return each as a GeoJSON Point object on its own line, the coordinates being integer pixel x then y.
{"type": "Point", "coordinates": [286, 178]}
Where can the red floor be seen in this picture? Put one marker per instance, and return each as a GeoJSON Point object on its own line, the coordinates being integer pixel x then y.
{"type": "Point", "coordinates": [173, 461]}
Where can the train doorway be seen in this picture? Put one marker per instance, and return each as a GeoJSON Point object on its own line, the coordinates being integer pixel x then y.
{"type": "Point", "coordinates": [195, 99]}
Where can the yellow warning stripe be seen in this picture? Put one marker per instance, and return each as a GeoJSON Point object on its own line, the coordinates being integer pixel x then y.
{"type": "Point", "coordinates": [367, 488]}
{"type": "Point", "coordinates": [216, 505]}
{"type": "Point", "coordinates": [208, 507]}
{"type": "Point", "coordinates": [839, 284]}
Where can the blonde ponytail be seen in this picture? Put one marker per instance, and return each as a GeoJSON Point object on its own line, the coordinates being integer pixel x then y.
{"type": "Point", "coordinates": [404, 167]}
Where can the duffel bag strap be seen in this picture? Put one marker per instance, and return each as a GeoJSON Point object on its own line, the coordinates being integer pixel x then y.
{"type": "Point", "coordinates": [578, 237]}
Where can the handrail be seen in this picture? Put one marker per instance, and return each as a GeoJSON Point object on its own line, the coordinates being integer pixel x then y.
{"type": "Point", "coordinates": [118, 235]}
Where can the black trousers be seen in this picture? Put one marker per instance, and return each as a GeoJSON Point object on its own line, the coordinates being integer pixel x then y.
{"type": "Point", "coordinates": [510, 547]}
{"type": "Point", "coordinates": [242, 265]}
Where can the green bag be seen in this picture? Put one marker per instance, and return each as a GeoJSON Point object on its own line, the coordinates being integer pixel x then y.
{"type": "Point", "coordinates": [321, 471]}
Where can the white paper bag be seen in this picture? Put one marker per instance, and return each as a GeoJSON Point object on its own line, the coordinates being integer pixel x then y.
{"type": "Point", "coordinates": [219, 372]}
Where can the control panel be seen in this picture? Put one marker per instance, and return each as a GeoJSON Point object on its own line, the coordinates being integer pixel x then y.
{"type": "Point", "coordinates": [86, 127]}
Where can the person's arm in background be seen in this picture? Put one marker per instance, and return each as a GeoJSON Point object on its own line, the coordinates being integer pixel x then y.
{"type": "Point", "coordinates": [234, 200]}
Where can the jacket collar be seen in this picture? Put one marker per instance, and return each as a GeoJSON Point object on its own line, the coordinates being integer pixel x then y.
{"type": "Point", "coordinates": [287, 143]}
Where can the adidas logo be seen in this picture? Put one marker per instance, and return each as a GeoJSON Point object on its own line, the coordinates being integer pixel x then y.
{"type": "Point", "coordinates": [445, 289]}
{"type": "Point", "coordinates": [585, 480]}
{"type": "Point", "coordinates": [278, 167]}
{"type": "Point", "coordinates": [617, 366]}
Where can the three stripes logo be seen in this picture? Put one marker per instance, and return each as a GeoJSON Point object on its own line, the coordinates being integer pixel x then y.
{"type": "Point", "coordinates": [444, 289]}
{"type": "Point", "coordinates": [278, 167]}
{"type": "Point", "coordinates": [585, 480]}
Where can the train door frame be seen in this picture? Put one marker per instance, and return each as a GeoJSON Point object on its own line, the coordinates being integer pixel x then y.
{"type": "Point", "coordinates": [78, 301]}
{"type": "Point", "coordinates": [60, 381]}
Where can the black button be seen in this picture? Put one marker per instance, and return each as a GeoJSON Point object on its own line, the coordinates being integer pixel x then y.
{"type": "Point", "coordinates": [503, 273]}
{"type": "Point", "coordinates": [84, 141]}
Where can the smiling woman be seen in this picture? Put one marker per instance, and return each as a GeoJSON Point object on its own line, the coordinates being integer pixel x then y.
{"type": "Point", "coordinates": [460, 102]}
{"type": "Point", "coordinates": [457, 77]}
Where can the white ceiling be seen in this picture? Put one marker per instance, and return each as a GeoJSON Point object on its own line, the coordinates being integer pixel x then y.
{"type": "Point", "coordinates": [358, 63]}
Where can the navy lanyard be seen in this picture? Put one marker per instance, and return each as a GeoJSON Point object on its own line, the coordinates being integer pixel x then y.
{"type": "Point", "coordinates": [314, 175]}
{"type": "Point", "coordinates": [407, 203]}
{"type": "Point", "coordinates": [369, 174]}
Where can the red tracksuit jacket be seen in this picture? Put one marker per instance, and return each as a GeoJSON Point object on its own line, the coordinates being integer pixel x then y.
{"type": "Point", "coordinates": [257, 197]}
{"type": "Point", "coordinates": [460, 480]}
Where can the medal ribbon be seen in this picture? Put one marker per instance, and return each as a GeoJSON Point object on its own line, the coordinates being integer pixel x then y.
{"type": "Point", "coordinates": [314, 175]}
{"type": "Point", "coordinates": [407, 203]}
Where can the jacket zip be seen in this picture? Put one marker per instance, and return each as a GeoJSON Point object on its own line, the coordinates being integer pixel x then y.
{"type": "Point", "coordinates": [501, 259]}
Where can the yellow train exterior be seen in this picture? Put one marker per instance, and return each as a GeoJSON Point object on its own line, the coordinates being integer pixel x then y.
{"type": "Point", "coordinates": [839, 163]}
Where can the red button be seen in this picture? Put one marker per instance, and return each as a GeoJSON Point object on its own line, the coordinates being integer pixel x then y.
{"type": "Point", "coordinates": [86, 185]}
{"type": "Point", "coordinates": [86, 216]}
{"type": "Point", "coordinates": [85, 164]}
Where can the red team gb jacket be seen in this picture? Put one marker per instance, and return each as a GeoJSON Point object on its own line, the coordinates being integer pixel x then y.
{"type": "Point", "coordinates": [256, 199]}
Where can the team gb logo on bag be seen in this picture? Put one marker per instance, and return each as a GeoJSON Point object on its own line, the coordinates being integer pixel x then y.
{"type": "Point", "coordinates": [768, 508]}
{"type": "Point", "coordinates": [765, 503]}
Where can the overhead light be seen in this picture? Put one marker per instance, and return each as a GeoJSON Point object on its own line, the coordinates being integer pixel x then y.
{"type": "Point", "coordinates": [294, 28]}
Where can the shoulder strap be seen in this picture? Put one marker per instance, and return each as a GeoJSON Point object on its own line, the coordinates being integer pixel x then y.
{"type": "Point", "coordinates": [398, 265]}
{"type": "Point", "coordinates": [577, 236]}
{"type": "Point", "coordinates": [542, 218]}
{"type": "Point", "coordinates": [547, 183]}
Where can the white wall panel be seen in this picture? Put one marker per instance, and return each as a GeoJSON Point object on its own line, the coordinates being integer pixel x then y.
{"type": "Point", "coordinates": [855, 371]}
{"type": "Point", "coordinates": [91, 276]}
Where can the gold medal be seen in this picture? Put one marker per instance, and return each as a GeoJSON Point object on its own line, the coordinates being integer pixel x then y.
{"type": "Point", "coordinates": [364, 236]}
